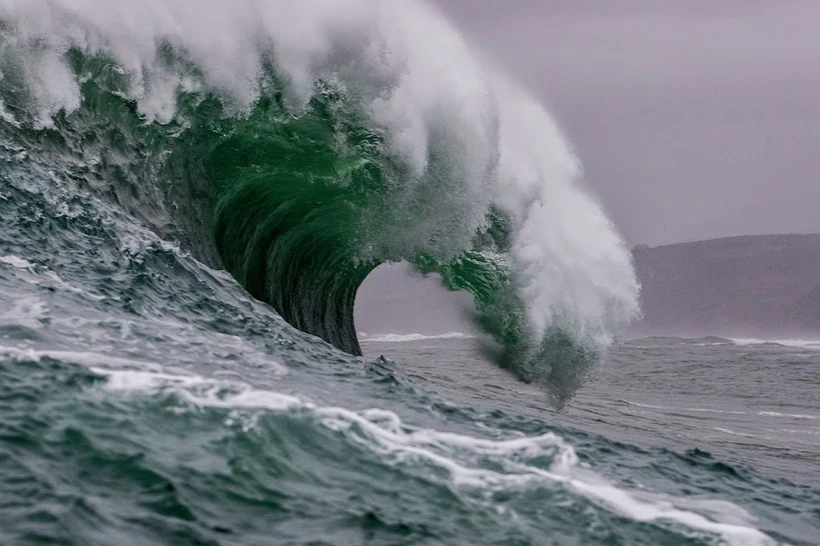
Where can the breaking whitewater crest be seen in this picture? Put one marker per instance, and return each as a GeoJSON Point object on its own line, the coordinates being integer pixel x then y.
{"type": "Point", "coordinates": [299, 147]}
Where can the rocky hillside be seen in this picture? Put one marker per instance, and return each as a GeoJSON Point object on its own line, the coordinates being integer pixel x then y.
{"type": "Point", "coordinates": [749, 286]}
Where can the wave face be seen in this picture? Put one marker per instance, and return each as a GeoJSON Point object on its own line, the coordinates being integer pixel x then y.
{"type": "Point", "coordinates": [300, 145]}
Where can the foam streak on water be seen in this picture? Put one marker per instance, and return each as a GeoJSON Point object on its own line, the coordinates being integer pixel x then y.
{"type": "Point", "coordinates": [191, 194]}
{"type": "Point", "coordinates": [475, 464]}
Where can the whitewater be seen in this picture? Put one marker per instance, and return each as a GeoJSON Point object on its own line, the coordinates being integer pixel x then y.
{"type": "Point", "coordinates": [458, 152]}
{"type": "Point", "coordinates": [191, 194]}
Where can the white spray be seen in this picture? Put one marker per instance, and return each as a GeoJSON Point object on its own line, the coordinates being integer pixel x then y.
{"type": "Point", "coordinates": [414, 76]}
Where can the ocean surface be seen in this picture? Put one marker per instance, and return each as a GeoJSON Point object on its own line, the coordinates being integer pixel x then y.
{"type": "Point", "coordinates": [146, 399]}
{"type": "Point", "coordinates": [191, 194]}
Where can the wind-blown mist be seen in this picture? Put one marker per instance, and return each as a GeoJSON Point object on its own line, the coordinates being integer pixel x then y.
{"type": "Point", "coordinates": [192, 195]}
{"type": "Point", "coordinates": [301, 145]}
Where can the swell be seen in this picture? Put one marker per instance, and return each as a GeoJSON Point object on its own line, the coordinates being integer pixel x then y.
{"type": "Point", "coordinates": [301, 162]}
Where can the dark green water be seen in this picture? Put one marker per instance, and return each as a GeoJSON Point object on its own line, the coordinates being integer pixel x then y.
{"type": "Point", "coordinates": [147, 399]}
{"type": "Point", "coordinates": [189, 191]}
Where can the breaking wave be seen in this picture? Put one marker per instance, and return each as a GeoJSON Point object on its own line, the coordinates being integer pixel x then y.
{"type": "Point", "coordinates": [300, 145]}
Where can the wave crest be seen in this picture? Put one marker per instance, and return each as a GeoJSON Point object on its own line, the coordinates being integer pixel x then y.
{"type": "Point", "coordinates": [300, 145]}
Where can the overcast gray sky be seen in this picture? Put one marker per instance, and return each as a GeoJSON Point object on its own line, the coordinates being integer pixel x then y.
{"type": "Point", "coordinates": [693, 118]}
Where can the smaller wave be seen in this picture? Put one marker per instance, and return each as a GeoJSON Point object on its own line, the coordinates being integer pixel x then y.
{"type": "Point", "coordinates": [727, 412]}
{"type": "Point", "coordinates": [743, 434]}
{"type": "Point", "coordinates": [678, 409]}
{"type": "Point", "coordinates": [466, 463]}
{"type": "Point", "coordinates": [790, 415]}
{"type": "Point", "coordinates": [656, 341]}
{"type": "Point", "coordinates": [709, 341]}
{"type": "Point", "coordinates": [16, 262]}
{"type": "Point", "coordinates": [402, 338]}
{"type": "Point", "coordinates": [800, 343]}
